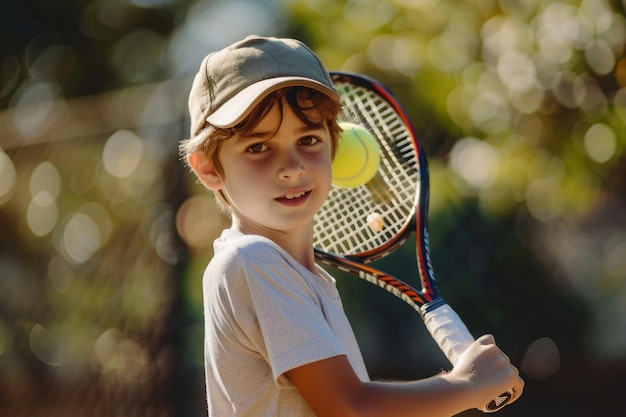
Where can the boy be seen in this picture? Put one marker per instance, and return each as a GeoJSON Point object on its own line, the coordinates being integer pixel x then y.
{"type": "Point", "coordinates": [278, 343]}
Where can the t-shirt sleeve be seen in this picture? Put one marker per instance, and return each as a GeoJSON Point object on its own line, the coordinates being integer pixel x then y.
{"type": "Point", "coordinates": [278, 311]}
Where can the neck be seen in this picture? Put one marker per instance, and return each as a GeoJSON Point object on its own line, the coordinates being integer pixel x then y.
{"type": "Point", "coordinates": [297, 243]}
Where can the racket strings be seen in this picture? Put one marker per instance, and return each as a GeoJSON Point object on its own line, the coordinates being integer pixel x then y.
{"type": "Point", "coordinates": [341, 225]}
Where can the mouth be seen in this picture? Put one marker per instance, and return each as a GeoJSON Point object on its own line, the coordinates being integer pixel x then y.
{"type": "Point", "coordinates": [290, 196]}
{"type": "Point", "coordinates": [294, 197]}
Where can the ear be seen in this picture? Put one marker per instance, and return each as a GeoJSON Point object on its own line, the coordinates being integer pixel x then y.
{"type": "Point", "coordinates": [205, 170]}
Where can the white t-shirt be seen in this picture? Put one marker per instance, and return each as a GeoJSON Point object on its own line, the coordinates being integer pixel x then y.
{"type": "Point", "coordinates": [265, 314]}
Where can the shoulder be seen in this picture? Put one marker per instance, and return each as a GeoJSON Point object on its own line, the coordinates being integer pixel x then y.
{"type": "Point", "coordinates": [239, 265]}
{"type": "Point", "coordinates": [249, 258]}
{"type": "Point", "coordinates": [252, 264]}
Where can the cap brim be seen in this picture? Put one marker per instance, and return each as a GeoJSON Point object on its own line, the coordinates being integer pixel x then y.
{"type": "Point", "coordinates": [241, 104]}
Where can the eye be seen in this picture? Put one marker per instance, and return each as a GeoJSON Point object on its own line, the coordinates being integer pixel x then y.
{"type": "Point", "coordinates": [309, 140]}
{"type": "Point", "coordinates": [257, 148]}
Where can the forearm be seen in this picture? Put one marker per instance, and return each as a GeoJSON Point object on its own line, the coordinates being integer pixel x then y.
{"type": "Point", "coordinates": [436, 396]}
{"type": "Point", "coordinates": [332, 388]}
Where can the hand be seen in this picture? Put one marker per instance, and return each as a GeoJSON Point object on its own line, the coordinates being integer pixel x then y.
{"type": "Point", "coordinates": [488, 370]}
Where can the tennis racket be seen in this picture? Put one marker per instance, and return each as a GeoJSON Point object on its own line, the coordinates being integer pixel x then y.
{"type": "Point", "coordinates": [399, 194]}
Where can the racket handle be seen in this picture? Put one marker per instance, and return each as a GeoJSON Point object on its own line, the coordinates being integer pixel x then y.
{"type": "Point", "coordinates": [453, 338]}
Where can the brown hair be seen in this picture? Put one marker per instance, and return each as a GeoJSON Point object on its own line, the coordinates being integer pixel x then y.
{"type": "Point", "coordinates": [310, 106]}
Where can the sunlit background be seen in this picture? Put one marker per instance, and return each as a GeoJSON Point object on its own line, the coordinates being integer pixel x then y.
{"type": "Point", "coordinates": [521, 105]}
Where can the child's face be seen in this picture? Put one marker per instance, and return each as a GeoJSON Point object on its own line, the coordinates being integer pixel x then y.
{"type": "Point", "coordinates": [277, 181]}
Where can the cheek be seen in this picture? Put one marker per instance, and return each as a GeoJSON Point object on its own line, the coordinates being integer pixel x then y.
{"type": "Point", "coordinates": [323, 170]}
{"type": "Point", "coordinates": [246, 181]}
{"type": "Point", "coordinates": [328, 169]}
{"type": "Point", "coordinates": [327, 162]}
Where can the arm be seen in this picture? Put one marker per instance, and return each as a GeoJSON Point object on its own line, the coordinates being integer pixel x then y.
{"type": "Point", "coordinates": [331, 387]}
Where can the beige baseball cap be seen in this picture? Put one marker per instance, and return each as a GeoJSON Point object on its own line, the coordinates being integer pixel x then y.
{"type": "Point", "coordinates": [232, 81]}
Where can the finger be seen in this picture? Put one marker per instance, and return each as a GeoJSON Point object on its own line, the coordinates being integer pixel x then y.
{"type": "Point", "coordinates": [486, 339]}
{"type": "Point", "coordinates": [517, 389]}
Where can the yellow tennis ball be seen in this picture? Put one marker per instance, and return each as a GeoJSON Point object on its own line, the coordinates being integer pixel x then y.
{"type": "Point", "coordinates": [357, 158]}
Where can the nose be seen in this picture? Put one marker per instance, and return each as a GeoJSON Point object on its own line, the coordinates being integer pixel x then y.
{"type": "Point", "coordinates": [291, 166]}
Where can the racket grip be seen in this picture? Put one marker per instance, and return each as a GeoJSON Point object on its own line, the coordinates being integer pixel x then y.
{"type": "Point", "coordinates": [453, 338]}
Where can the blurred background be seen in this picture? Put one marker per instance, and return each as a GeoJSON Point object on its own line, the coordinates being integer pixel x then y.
{"type": "Point", "coordinates": [104, 234]}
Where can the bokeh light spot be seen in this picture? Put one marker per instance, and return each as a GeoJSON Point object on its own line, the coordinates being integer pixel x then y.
{"type": "Point", "coordinates": [569, 89]}
{"type": "Point", "coordinates": [528, 99]}
{"type": "Point", "coordinates": [543, 199]}
{"type": "Point", "coordinates": [105, 349]}
{"type": "Point", "coordinates": [81, 238]}
{"type": "Point", "coordinates": [381, 50]}
{"type": "Point", "coordinates": [122, 153]}
{"type": "Point", "coordinates": [45, 177]}
{"type": "Point", "coordinates": [475, 161]}
{"type": "Point", "coordinates": [452, 50]}
{"type": "Point", "coordinates": [100, 217]}
{"type": "Point", "coordinates": [541, 359]}
{"type": "Point", "coordinates": [137, 56]}
{"type": "Point", "coordinates": [42, 213]}
{"type": "Point", "coordinates": [516, 70]}
{"type": "Point", "coordinates": [45, 346]}
{"type": "Point", "coordinates": [583, 265]}
{"type": "Point", "coordinates": [121, 357]}
{"type": "Point", "coordinates": [198, 222]}
{"type": "Point", "coordinates": [600, 57]}
{"type": "Point", "coordinates": [600, 143]}
{"type": "Point", "coordinates": [7, 178]}
{"type": "Point", "coordinates": [36, 107]}
{"type": "Point", "coordinates": [490, 112]}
